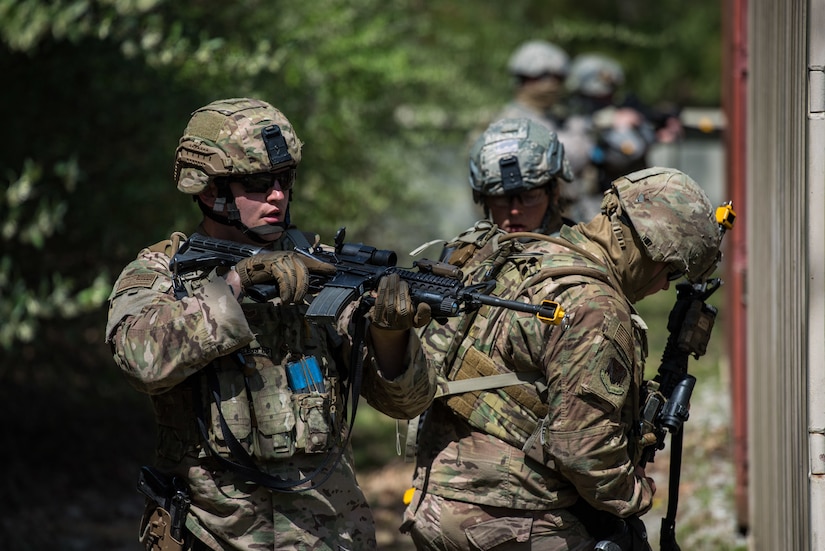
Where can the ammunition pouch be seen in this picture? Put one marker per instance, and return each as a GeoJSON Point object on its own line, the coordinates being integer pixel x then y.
{"type": "Point", "coordinates": [519, 394]}
{"type": "Point", "coordinates": [284, 422]}
{"type": "Point", "coordinates": [315, 420]}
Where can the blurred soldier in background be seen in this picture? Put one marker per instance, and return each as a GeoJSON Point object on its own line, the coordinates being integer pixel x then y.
{"type": "Point", "coordinates": [539, 69]}
{"type": "Point", "coordinates": [620, 133]}
{"type": "Point", "coordinates": [516, 168]}
{"type": "Point", "coordinates": [250, 396]}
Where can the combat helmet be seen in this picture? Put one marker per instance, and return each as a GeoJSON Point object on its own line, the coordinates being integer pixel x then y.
{"type": "Point", "coordinates": [234, 138]}
{"type": "Point", "coordinates": [594, 75]}
{"type": "Point", "coordinates": [673, 218]}
{"type": "Point", "coordinates": [516, 155]}
{"type": "Point", "coordinates": [538, 57]}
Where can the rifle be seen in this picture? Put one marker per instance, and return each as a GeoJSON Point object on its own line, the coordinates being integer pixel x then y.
{"type": "Point", "coordinates": [667, 403]}
{"type": "Point", "coordinates": [658, 117]}
{"type": "Point", "coordinates": [689, 325]}
{"type": "Point", "coordinates": [358, 269]}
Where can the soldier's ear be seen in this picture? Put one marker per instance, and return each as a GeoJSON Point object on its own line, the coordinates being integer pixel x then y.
{"type": "Point", "coordinates": [209, 195]}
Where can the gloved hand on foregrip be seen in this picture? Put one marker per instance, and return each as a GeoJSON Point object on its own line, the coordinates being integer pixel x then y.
{"type": "Point", "coordinates": [288, 269]}
{"type": "Point", "coordinates": [394, 308]}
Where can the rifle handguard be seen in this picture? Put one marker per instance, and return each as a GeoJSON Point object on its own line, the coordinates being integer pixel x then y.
{"type": "Point", "coordinates": [696, 328]}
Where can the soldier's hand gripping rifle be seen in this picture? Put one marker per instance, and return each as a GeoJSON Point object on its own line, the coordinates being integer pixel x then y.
{"type": "Point", "coordinates": [358, 269]}
{"type": "Point", "coordinates": [667, 397]}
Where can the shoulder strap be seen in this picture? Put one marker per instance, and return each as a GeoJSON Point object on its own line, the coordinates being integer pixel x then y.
{"type": "Point", "coordinates": [169, 246]}
{"type": "Point", "coordinates": [568, 270]}
{"type": "Point", "coordinates": [299, 238]}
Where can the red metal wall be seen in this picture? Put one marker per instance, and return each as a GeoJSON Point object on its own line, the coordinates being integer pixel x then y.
{"type": "Point", "coordinates": [734, 103]}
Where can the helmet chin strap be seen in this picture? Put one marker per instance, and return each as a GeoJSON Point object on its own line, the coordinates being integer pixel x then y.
{"type": "Point", "coordinates": [225, 202]}
{"type": "Point", "coordinates": [257, 233]}
{"type": "Point", "coordinates": [545, 220]}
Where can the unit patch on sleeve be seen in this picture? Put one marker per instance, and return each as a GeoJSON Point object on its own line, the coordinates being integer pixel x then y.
{"type": "Point", "coordinates": [136, 281]}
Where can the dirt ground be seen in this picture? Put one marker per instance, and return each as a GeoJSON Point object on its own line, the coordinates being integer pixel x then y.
{"type": "Point", "coordinates": [385, 489]}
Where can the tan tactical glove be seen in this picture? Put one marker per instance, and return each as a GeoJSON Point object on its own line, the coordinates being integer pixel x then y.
{"type": "Point", "coordinates": [288, 269]}
{"type": "Point", "coordinates": [394, 308]}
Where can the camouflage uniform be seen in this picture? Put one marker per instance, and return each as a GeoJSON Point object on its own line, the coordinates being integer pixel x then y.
{"type": "Point", "coordinates": [500, 467]}
{"type": "Point", "coordinates": [164, 345]}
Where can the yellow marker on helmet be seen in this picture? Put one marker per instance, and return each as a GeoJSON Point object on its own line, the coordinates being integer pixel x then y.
{"type": "Point", "coordinates": [725, 215]}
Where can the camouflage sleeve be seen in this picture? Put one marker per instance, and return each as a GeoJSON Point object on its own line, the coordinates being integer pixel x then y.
{"type": "Point", "coordinates": [157, 340]}
{"type": "Point", "coordinates": [409, 394]}
{"type": "Point", "coordinates": [590, 377]}
{"type": "Point", "coordinates": [405, 396]}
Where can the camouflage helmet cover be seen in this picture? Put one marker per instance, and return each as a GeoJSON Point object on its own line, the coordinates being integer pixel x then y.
{"type": "Point", "coordinates": [674, 219]}
{"type": "Point", "coordinates": [534, 155]}
{"type": "Point", "coordinates": [538, 57]}
{"type": "Point", "coordinates": [232, 137]}
{"type": "Point", "coordinates": [594, 75]}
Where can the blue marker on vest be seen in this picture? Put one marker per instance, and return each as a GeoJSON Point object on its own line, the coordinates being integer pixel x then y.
{"type": "Point", "coordinates": [305, 376]}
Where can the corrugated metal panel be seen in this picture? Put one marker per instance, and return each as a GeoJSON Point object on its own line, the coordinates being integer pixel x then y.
{"type": "Point", "coordinates": [816, 271]}
{"type": "Point", "coordinates": [777, 268]}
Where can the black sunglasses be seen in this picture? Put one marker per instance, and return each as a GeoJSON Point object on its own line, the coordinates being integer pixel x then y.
{"type": "Point", "coordinates": [262, 182]}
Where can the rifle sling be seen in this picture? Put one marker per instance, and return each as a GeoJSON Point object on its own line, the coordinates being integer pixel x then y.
{"type": "Point", "coordinates": [486, 383]}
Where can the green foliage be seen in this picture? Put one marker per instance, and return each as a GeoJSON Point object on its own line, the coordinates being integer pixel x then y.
{"type": "Point", "coordinates": [30, 219]}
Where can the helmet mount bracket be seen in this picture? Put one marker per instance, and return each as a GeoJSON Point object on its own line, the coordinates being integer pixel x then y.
{"type": "Point", "coordinates": [276, 146]}
{"type": "Point", "coordinates": [511, 178]}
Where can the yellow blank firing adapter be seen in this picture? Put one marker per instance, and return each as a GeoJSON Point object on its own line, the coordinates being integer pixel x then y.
{"type": "Point", "coordinates": [408, 495]}
{"type": "Point", "coordinates": [550, 312]}
{"type": "Point", "coordinates": [725, 215]}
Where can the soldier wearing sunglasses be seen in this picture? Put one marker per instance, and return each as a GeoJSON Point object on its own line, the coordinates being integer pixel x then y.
{"type": "Point", "coordinates": [516, 167]}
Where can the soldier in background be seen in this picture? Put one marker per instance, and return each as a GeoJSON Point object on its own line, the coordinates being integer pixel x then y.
{"type": "Point", "coordinates": [516, 168]}
{"type": "Point", "coordinates": [533, 440]}
{"type": "Point", "coordinates": [539, 70]}
{"type": "Point", "coordinates": [249, 396]}
{"type": "Point", "coordinates": [620, 132]}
